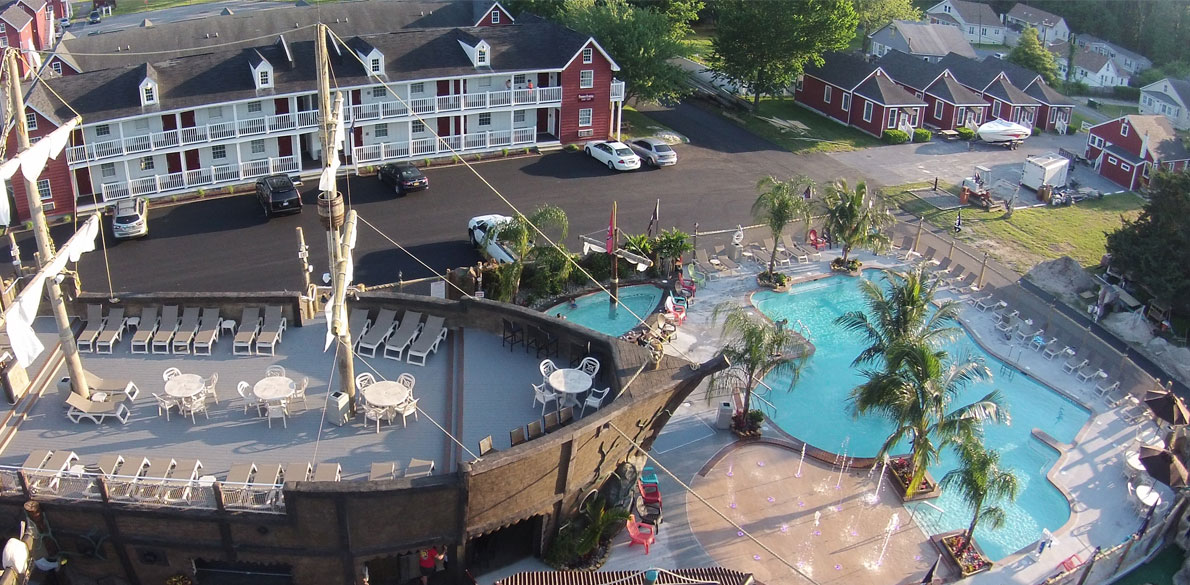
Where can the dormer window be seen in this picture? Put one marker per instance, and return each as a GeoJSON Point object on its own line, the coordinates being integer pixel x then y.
{"type": "Point", "coordinates": [495, 17]}
{"type": "Point", "coordinates": [262, 71]}
{"type": "Point", "coordinates": [374, 66]}
{"type": "Point", "coordinates": [264, 79]}
{"type": "Point", "coordinates": [150, 97]}
{"type": "Point", "coordinates": [148, 92]}
{"type": "Point", "coordinates": [481, 56]}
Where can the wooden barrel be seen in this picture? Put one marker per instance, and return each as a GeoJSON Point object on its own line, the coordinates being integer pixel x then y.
{"type": "Point", "coordinates": [331, 209]}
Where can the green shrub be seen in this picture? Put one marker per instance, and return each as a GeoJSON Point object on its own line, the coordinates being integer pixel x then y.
{"type": "Point", "coordinates": [1036, 131]}
{"type": "Point", "coordinates": [427, 162]}
{"type": "Point", "coordinates": [599, 265]}
{"type": "Point", "coordinates": [895, 137]}
{"type": "Point", "coordinates": [966, 133]}
{"type": "Point", "coordinates": [504, 151]}
{"type": "Point", "coordinates": [922, 135]}
{"type": "Point", "coordinates": [572, 147]}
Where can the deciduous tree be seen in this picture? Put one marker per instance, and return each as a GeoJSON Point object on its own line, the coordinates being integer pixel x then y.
{"type": "Point", "coordinates": [1030, 54]}
{"type": "Point", "coordinates": [640, 40]}
{"type": "Point", "coordinates": [763, 46]}
{"type": "Point", "coordinates": [874, 14]}
{"type": "Point", "coordinates": [1154, 250]}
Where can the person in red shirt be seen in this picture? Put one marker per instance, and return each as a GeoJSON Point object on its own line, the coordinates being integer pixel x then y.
{"type": "Point", "coordinates": [428, 559]}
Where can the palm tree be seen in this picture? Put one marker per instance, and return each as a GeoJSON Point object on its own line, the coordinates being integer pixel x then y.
{"type": "Point", "coordinates": [758, 347]}
{"type": "Point", "coordinates": [520, 236]}
{"type": "Point", "coordinates": [854, 220]}
{"type": "Point", "coordinates": [979, 479]}
{"type": "Point", "coordinates": [902, 311]}
{"type": "Point", "coordinates": [917, 398]}
{"type": "Point", "coordinates": [779, 204]}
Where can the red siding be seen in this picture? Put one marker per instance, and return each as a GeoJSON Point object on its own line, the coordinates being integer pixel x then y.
{"type": "Point", "coordinates": [56, 170]}
{"type": "Point", "coordinates": [505, 17]}
{"type": "Point", "coordinates": [813, 93]}
{"type": "Point", "coordinates": [66, 69]}
{"type": "Point", "coordinates": [42, 31]}
{"type": "Point", "coordinates": [1115, 174]}
{"type": "Point", "coordinates": [600, 104]}
{"type": "Point", "coordinates": [1110, 132]}
{"type": "Point", "coordinates": [876, 126]}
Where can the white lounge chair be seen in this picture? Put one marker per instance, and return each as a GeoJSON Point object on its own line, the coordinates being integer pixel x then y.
{"type": "Point", "coordinates": [381, 328]}
{"type": "Point", "coordinates": [113, 329]}
{"type": "Point", "coordinates": [93, 411]}
{"type": "Point", "coordinates": [249, 326]}
{"type": "Point", "coordinates": [271, 331]}
{"type": "Point", "coordinates": [186, 330]}
{"type": "Point", "coordinates": [358, 324]}
{"type": "Point", "coordinates": [1086, 374]}
{"type": "Point", "coordinates": [398, 342]}
{"type": "Point", "coordinates": [111, 387]}
{"type": "Point", "coordinates": [1074, 364]}
{"type": "Point", "coordinates": [91, 329]}
{"type": "Point", "coordinates": [208, 331]}
{"type": "Point", "coordinates": [166, 329]}
{"type": "Point", "coordinates": [1052, 351]}
{"type": "Point", "coordinates": [145, 329]}
{"type": "Point", "coordinates": [431, 336]}
{"type": "Point", "coordinates": [794, 251]}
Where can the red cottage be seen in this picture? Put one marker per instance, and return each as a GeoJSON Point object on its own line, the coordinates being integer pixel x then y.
{"type": "Point", "coordinates": [988, 79]}
{"type": "Point", "coordinates": [854, 92]}
{"type": "Point", "coordinates": [1126, 149]}
{"type": "Point", "coordinates": [949, 104]}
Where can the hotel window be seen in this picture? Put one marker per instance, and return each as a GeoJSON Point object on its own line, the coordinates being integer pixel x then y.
{"type": "Point", "coordinates": [418, 127]}
{"type": "Point", "coordinates": [43, 190]}
{"type": "Point", "coordinates": [150, 95]}
{"type": "Point", "coordinates": [418, 87]}
{"type": "Point", "coordinates": [257, 147]}
{"type": "Point", "coordinates": [518, 116]}
{"type": "Point", "coordinates": [254, 107]}
{"type": "Point", "coordinates": [30, 121]}
{"type": "Point", "coordinates": [518, 79]}
{"type": "Point", "coordinates": [103, 130]}
{"type": "Point", "coordinates": [108, 169]}
{"type": "Point", "coordinates": [586, 79]}
{"type": "Point", "coordinates": [141, 124]}
{"type": "Point", "coordinates": [215, 113]}
{"type": "Point", "coordinates": [485, 82]}
{"type": "Point", "coordinates": [219, 152]}
{"type": "Point", "coordinates": [379, 92]}
{"type": "Point", "coordinates": [382, 131]}
{"type": "Point", "coordinates": [485, 119]}
{"type": "Point", "coordinates": [584, 116]}
{"type": "Point", "coordinates": [146, 163]}
{"type": "Point", "coordinates": [588, 55]}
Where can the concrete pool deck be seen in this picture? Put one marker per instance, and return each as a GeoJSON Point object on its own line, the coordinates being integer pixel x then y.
{"type": "Point", "coordinates": [1089, 472]}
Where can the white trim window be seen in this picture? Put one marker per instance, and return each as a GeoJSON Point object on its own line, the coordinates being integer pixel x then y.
{"type": "Point", "coordinates": [107, 169]}
{"type": "Point", "coordinates": [379, 92]}
{"type": "Point", "coordinates": [1125, 167]}
{"type": "Point", "coordinates": [846, 102]}
{"type": "Point", "coordinates": [485, 119]}
{"type": "Point", "coordinates": [257, 147]}
{"type": "Point", "coordinates": [417, 127]}
{"type": "Point", "coordinates": [44, 190]}
{"type": "Point", "coordinates": [56, 66]}
{"type": "Point", "coordinates": [30, 121]}
{"type": "Point", "coordinates": [588, 56]}
{"type": "Point", "coordinates": [892, 117]}
{"type": "Point", "coordinates": [586, 79]}
{"type": "Point", "coordinates": [1096, 141]}
{"type": "Point", "coordinates": [996, 109]}
{"type": "Point", "coordinates": [382, 131]}
{"type": "Point", "coordinates": [265, 78]}
{"type": "Point", "coordinates": [103, 130]}
{"type": "Point", "coordinates": [146, 163]}
{"type": "Point", "coordinates": [518, 116]}
{"type": "Point", "coordinates": [419, 87]}
{"type": "Point", "coordinates": [584, 116]}
{"type": "Point", "coordinates": [826, 94]}
{"type": "Point", "coordinates": [255, 107]}
{"type": "Point", "coordinates": [867, 111]}
{"type": "Point", "coordinates": [496, 16]}
{"type": "Point", "coordinates": [481, 56]}
{"type": "Point", "coordinates": [150, 95]}
{"type": "Point", "coordinates": [374, 66]}
{"type": "Point", "coordinates": [1111, 160]}
{"type": "Point", "coordinates": [938, 105]}
{"type": "Point", "coordinates": [1123, 128]}
{"type": "Point", "coordinates": [219, 151]}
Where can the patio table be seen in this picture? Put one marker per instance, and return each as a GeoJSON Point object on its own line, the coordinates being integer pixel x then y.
{"type": "Point", "coordinates": [274, 388]}
{"type": "Point", "coordinates": [387, 394]}
{"type": "Point", "coordinates": [1146, 496]}
{"type": "Point", "coordinates": [1133, 464]}
{"type": "Point", "coordinates": [184, 385]}
{"type": "Point", "coordinates": [570, 382]}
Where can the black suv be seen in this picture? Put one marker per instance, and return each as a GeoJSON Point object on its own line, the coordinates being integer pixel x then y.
{"type": "Point", "coordinates": [404, 177]}
{"type": "Point", "coordinates": [278, 195]}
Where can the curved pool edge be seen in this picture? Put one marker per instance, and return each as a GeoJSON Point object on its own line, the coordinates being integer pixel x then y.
{"type": "Point", "coordinates": [1050, 474]}
{"type": "Point", "coordinates": [661, 285]}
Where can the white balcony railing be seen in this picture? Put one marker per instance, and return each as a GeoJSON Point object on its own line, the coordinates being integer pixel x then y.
{"type": "Point", "coordinates": [374, 153]}
{"type": "Point", "coordinates": [617, 90]}
{"type": "Point", "coordinates": [172, 139]}
{"type": "Point", "coordinates": [394, 110]}
{"type": "Point", "coordinates": [157, 184]}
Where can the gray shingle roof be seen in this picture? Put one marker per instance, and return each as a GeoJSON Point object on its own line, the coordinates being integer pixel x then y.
{"type": "Point", "coordinates": [976, 13]}
{"type": "Point", "coordinates": [1164, 142]}
{"type": "Point", "coordinates": [952, 91]}
{"type": "Point", "coordinates": [1117, 150]}
{"type": "Point", "coordinates": [1033, 15]}
{"type": "Point", "coordinates": [1042, 92]}
{"type": "Point", "coordinates": [346, 19]}
{"type": "Point", "coordinates": [970, 72]}
{"type": "Point", "coordinates": [34, 4]}
{"type": "Point", "coordinates": [910, 70]}
{"type": "Point", "coordinates": [203, 79]}
{"type": "Point", "coordinates": [16, 16]}
{"type": "Point", "coordinates": [1007, 92]}
{"type": "Point", "coordinates": [883, 90]}
{"type": "Point", "coordinates": [933, 39]}
{"type": "Point", "coordinates": [1182, 87]}
{"type": "Point", "coordinates": [845, 70]}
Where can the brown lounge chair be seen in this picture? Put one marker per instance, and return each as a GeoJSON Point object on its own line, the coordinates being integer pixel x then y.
{"type": "Point", "coordinates": [95, 321]}
{"type": "Point", "coordinates": [166, 328]}
{"type": "Point", "coordinates": [113, 329]}
{"type": "Point", "coordinates": [246, 335]}
{"type": "Point", "coordinates": [186, 330]}
{"type": "Point", "coordinates": [145, 330]}
{"type": "Point", "coordinates": [208, 331]}
{"type": "Point", "coordinates": [95, 412]}
{"type": "Point", "coordinates": [271, 331]}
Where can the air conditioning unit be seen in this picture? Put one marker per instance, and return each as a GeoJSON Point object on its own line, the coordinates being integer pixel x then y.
{"type": "Point", "coordinates": [586, 133]}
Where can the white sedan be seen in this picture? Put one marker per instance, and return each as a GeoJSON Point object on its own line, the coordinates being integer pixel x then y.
{"type": "Point", "coordinates": [616, 155]}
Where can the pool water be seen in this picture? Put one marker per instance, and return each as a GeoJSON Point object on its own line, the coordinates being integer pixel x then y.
{"type": "Point", "coordinates": [595, 311]}
{"type": "Point", "coordinates": [818, 412]}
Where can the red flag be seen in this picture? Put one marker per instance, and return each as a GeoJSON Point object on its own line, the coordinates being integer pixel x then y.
{"type": "Point", "coordinates": [611, 231]}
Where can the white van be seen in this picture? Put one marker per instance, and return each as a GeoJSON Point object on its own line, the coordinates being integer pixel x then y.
{"type": "Point", "coordinates": [479, 228]}
{"type": "Point", "coordinates": [131, 218]}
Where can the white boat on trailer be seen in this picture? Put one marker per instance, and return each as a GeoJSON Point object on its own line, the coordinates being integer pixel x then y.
{"type": "Point", "coordinates": [1000, 131]}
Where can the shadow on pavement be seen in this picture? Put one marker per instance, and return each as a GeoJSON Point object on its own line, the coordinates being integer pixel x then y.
{"type": "Point", "coordinates": [567, 165]}
{"type": "Point", "coordinates": [383, 266]}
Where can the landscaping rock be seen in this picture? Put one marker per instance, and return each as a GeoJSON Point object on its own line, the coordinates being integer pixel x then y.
{"type": "Point", "coordinates": [1063, 277]}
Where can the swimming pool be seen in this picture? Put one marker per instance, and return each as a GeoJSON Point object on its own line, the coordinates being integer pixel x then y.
{"type": "Point", "coordinates": [817, 411]}
{"type": "Point", "coordinates": [595, 311]}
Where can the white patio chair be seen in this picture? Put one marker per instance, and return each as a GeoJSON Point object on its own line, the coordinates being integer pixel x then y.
{"type": "Point", "coordinates": [364, 380]}
{"type": "Point", "coordinates": [245, 391]}
{"type": "Point", "coordinates": [208, 387]}
{"type": "Point", "coordinates": [299, 392]}
{"type": "Point", "coordinates": [276, 410]}
{"type": "Point", "coordinates": [193, 406]}
{"type": "Point", "coordinates": [547, 367]}
{"type": "Point", "coordinates": [376, 413]}
{"type": "Point", "coordinates": [274, 371]}
{"type": "Point", "coordinates": [170, 373]}
{"type": "Point", "coordinates": [407, 380]}
{"type": "Point", "coordinates": [407, 408]}
{"type": "Point", "coordinates": [590, 366]}
{"type": "Point", "coordinates": [594, 400]}
{"type": "Point", "coordinates": [164, 403]}
{"type": "Point", "coordinates": [543, 394]}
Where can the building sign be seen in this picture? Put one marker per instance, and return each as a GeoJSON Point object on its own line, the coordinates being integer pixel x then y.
{"type": "Point", "coordinates": [586, 97]}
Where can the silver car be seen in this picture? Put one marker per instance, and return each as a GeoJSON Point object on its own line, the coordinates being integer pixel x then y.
{"type": "Point", "coordinates": [131, 219]}
{"type": "Point", "coordinates": [654, 151]}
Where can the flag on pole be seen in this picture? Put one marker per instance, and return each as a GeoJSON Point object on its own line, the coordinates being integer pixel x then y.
{"type": "Point", "coordinates": [958, 222]}
{"type": "Point", "coordinates": [930, 575]}
{"type": "Point", "coordinates": [611, 231]}
{"type": "Point", "coordinates": [655, 221]}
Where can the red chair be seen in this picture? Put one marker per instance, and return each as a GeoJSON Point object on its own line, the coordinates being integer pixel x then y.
{"type": "Point", "coordinates": [640, 533]}
{"type": "Point", "coordinates": [649, 492]}
{"type": "Point", "coordinates": [674, 312]}
{"type": "Point", "coordinates": [815, 241]}
{"type": "Point", "coordinates": [688, 287]}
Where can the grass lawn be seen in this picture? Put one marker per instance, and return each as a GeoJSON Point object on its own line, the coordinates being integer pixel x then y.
{"type": "Point", "coordinates": [636, 124]}
{"type": "Point", "coordinates": [1113, 111]}
{"type": "Point", "coordinates": [1077, 119]}
{"type": "Point", "coordinates": [698, 44]}
{"type": "Point", "coordinates": [82, 9]}
{"type": "Point", "coordinates": [810, 132]}
{"type": "Point", "coordinates": [1032, 235]}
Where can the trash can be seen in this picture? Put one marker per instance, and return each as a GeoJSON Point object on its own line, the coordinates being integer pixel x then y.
{"type": "Point", "coordinates": [726, 411]}
{"type": "Point", "coordinates": [339, 410]}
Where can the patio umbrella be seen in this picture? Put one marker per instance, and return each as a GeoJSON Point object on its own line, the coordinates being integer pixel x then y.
{"type": "Point", "coordinates": [1167, 406]}
{"type": "Point", "coordinates": [1163, 466]}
